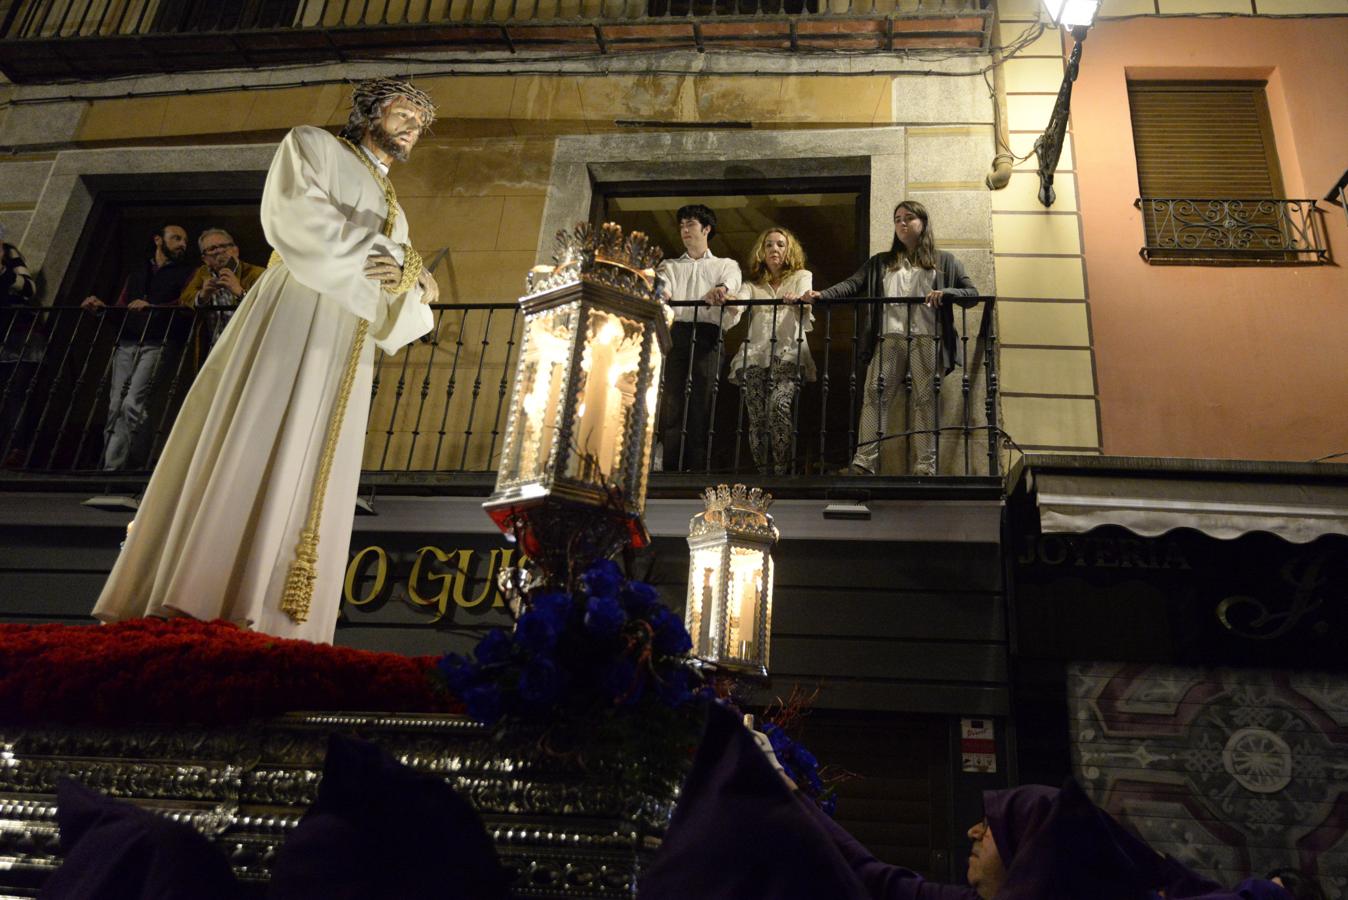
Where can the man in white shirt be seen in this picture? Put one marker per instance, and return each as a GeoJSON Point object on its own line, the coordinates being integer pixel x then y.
{"type": "Point", "coordinates": [691, 369]}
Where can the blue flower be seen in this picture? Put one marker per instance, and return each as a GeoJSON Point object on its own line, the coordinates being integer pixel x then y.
{"type": "Point", "coordinates": [458, 672]}
{"type": "Point", "coordinates": [603, 579]}
{"type": "Point", "coordinates": [494, 648]}
{"type": "Point", "coordinates": [674, 687]}
{"type": "Point", "coordinates": [484, 703]}
{"type": "Point", "coordinates": [536, 631]}
{"type": "Point", "coordinates": [541, 682]}
{"type": "Point", "coordinates": [625, 682]}
{"type": "Point", "coordinates": [804, 758]}
{"type": "Point", "coordinates": [554, 607]}
{"type": "Point", "coordinates": [830, 803]}
{"type": "Point", "coordinates": [671, 638]}
{"type": "Point", "coordinates": [604, 617]}
{"type": "Point", "coordinates": [639, 597]}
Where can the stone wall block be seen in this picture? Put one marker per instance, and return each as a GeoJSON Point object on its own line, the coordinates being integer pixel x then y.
{"type": "Point", "coordinates": [23, 180]}
{"type": "Point", "coordinates": [41, 124]}
{"type": "Point", "coordinates": [964, 217]}
{"type": "Point", "coordinates": [942, 156]}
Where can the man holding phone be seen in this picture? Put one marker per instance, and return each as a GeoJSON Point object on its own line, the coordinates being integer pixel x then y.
{"type": "Point", "coordinates": [219, 284]}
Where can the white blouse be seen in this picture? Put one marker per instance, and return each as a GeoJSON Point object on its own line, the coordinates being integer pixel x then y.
{"type": "Point", "coordinates": [909, 281]}
{"type": "Point", "coordinates": [793, 323]}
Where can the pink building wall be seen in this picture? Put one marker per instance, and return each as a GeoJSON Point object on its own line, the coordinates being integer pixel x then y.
{"type": "Point", "coordinates": [1206, 361]}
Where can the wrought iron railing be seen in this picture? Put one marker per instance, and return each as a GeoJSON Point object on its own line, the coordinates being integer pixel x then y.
{"type": "Point", "coordinates": [69, 403]}
{"type": "Point", "coordinates": [1232, 231]}
{"type": "Point", "coordinates": [44, 39]}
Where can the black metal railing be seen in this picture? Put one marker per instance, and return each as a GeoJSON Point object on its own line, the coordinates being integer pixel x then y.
{"type": "Point", "coordinates": [1232, 231]}
{"type": "Point", "coordinates": [191, 35]}
{"type": "Point", "coordinates": [92, 393]}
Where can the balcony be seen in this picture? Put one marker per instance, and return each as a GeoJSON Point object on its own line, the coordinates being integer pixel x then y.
{"type": "Point", "coordinates": [439, 408]}
{"type": "Point", "coordinates": [1260, 231]}
{"type": "Point", "coordinates": [52, 40]}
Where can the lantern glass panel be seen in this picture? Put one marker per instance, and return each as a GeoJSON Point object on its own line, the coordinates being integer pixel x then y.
{"type": "Point", "coordinates": [540, 387]}
{"type": "Point", "coordinates": [648, 436]}
{"type": "Point", "coordinates": [606, 397]}
{"type": "Point", "coordinates": [704, 586]}
{"type": "Point", "coordinates": [1077, 13]}
{"type": "Point", "coordinates": [744, 597]}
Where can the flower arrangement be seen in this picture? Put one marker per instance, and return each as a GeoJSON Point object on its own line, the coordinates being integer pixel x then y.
{"type": "Point", "coordinates": [583, 657]}
{"type": "Point", "coordinates": [181, 671]}
{"type": "Point", "coordinates": [802, 768]}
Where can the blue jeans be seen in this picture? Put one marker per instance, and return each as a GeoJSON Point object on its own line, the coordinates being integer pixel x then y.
{"type": "Point", "coordinates": [135, 369]}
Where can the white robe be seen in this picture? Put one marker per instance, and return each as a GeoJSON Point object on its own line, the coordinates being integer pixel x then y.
{"type": "Point", "coordinates": [220, 520]}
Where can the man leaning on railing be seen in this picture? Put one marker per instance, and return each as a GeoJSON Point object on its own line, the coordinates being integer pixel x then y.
{"type": "Point", "coordinates": [144, 335]}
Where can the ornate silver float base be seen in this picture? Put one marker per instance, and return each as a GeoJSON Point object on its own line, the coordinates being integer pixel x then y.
{"type": "Point", "coordinates": [562, 828]}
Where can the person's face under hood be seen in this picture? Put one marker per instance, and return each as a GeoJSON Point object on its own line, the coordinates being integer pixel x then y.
{"type": "Point", "coordinates": [1010, 816]}
{"type": "Point", "coordinates": [1058, 845]}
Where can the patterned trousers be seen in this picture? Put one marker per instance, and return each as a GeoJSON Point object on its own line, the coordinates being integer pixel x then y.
{"type": "Point", "coordinates": [895, 356]}
{"type": "Point", "coordinates": [769, 399]}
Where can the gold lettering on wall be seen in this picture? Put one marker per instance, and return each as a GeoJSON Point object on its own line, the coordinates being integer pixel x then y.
{"type": "Point", "coordinates": [437, 577]}
{"type": "Point", "coordinates": [446, 579]}
{"type": "Point", "coordinates": [353, 569]}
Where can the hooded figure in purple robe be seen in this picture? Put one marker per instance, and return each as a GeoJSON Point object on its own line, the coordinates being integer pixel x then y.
{"type": "Point", "coordinates": [1034, 843]}
{"type": "Point", "coordinates": [1042, 843]}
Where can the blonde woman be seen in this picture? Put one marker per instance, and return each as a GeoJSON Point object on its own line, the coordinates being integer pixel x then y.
{"type": "Point", "coordinates": [775, 353]}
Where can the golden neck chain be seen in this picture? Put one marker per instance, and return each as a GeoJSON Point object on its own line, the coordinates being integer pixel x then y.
{"type": "Point", "coordinates": [390, 195]}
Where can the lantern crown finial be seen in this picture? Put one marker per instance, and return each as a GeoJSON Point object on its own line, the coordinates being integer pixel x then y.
{"type": "Point", "coordinates": [737, 507]}
{"type": "Point", "coordinates": [603, 257]}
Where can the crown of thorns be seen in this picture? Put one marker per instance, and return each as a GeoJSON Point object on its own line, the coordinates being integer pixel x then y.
{"type": "Point", "coordinates": [374, 92]}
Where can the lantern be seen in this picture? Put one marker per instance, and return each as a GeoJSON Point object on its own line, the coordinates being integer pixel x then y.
{"type": "Point", "coordinates": [729, 610]}
{"type": "Point", "coordinates": [571, 485]}
{"type": "Point", "coordinates": [1072, 13]}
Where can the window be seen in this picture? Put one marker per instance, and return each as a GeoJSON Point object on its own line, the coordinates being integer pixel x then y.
{"type": "Point", "coordinates": [1210, 185]}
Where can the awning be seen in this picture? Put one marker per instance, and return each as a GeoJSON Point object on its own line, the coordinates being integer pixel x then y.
{"type": "Point", "coordinates": [1221, 498]}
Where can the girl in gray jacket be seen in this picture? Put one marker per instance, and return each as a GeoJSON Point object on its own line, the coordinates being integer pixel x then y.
{"type": "Point", "coordinates": [909, 338]}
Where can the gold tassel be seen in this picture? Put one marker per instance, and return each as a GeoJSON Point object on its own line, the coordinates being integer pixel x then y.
{"type": "Point", "coordinates": [299, 590]}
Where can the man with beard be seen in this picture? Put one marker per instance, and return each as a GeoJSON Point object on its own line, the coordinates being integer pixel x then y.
{"type": "Point", "coordinates": [248, 516]}
{"type": "Point", "coordinates": [148, 328]}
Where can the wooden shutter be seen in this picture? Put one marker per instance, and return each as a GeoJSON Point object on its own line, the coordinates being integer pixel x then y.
{"type": "Point", "coordinates": [1203, 140]}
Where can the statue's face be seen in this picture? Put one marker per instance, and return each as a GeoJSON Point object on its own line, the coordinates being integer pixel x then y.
{"type": "Point", "coordinates": [398, 129]}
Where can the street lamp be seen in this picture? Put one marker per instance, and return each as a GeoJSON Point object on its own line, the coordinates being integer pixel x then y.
{"type": "Point", "coordinates": [571, 485]}
{"type": "Point", "coordinates": [1078, 16]}
{"type": "Point", "coordinates": [1072, 13]}
{"type": "Point", "coordinates": [729, 609]}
